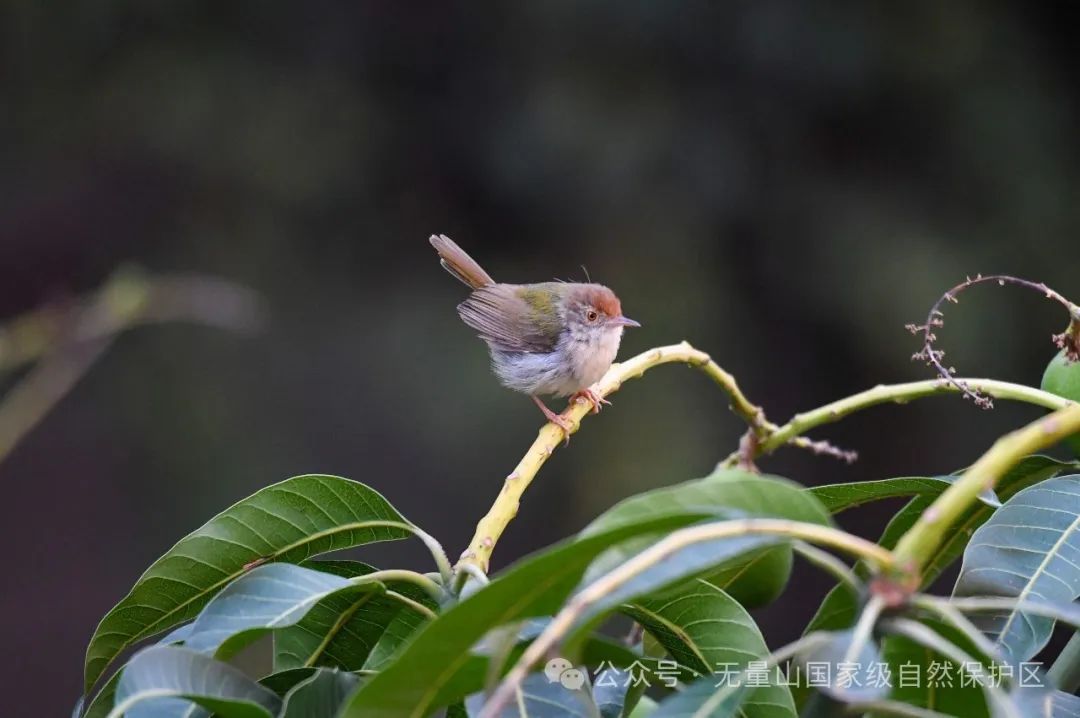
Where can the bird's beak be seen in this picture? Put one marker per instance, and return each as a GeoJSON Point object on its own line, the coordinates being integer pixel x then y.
{"type": "Point", "coordinates": [624, 322]}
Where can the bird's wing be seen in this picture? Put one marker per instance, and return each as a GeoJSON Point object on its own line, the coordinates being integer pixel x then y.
{"type": "Point", "coordinates": [513, 318]}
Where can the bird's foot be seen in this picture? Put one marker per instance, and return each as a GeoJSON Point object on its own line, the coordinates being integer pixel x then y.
{"type": "Point", "coordinates": [564, 424]}
{"type": "Point", "coordinates": [598, 402]}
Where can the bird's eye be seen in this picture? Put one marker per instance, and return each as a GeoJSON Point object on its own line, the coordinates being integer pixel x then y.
{"type": "Point", "coordinates": [591, 315]}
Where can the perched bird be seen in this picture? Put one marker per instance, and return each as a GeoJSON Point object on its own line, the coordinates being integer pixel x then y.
{"type": "Point", "coordinates": [551, 338]}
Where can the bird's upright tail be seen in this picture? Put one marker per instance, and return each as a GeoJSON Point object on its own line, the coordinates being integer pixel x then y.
{"type": "Point", "coordinates": [454, 260]}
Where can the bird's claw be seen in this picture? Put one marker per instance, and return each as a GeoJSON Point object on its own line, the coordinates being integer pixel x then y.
{"type": "Point", "coordinates": [565, 424]}
{"type": "Point", "coordinates": [590, 396]}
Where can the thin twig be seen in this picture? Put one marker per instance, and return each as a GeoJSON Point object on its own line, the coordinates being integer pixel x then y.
{"type": "Point", "coordinates": [29, 401]}
{"type": "Point", "coordinates": [936, 319]}
{"type": "Point", "coordinates": [68, 341]}
{"type": "Point", "coordinates": [128, 299]}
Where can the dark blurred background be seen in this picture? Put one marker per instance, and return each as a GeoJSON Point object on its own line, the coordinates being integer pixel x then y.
{"type": "Point", "coordinates": [784, 184]}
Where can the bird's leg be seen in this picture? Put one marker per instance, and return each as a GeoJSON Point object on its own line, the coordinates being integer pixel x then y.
{"type": "Point", "coordinates": [592, 397]}
{"type": "Point", "coordinates": [554, 418]}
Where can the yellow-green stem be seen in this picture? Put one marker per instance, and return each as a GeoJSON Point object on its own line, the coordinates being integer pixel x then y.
{"type": "Point", "coordinates": [491, 527]}
{"type": "Point", "coordinates": [896, 394]}
{"type": "Point", "coordinates": [881, 558]}
{"type": "Point", "coordinates": [926, 534]}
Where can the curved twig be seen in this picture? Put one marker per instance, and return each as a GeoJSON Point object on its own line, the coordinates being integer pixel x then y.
{"type": "Point", "coordinates": [935, 319]}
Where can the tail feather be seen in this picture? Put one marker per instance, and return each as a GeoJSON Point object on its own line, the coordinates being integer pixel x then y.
{"type": "Point", "coordinates": [454, 260]}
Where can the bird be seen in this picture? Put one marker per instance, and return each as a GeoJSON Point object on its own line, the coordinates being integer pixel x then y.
{"type": "Point", "coordinates": [550, 338]}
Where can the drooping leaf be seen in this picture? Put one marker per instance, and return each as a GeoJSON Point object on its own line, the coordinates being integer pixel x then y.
{"type": "Point", "coordinates": [708, 631]}
{"type": "Point", "coordinates": [921, 677]}
{"type": "Point", "coordinates": [679, 565]}
{"type": "Point", "coordinates": [1029, 549]}
{"type": "Point", "coordinates": [567, 696]}
{"type": "Point", "coordinates": [1045, 702]}
{"type": "Point", "coordinates": [760, 575]}
{"type": "Point", "coordinates": [289, 522]}
{"type": "Point", "coordinates": [318, 696]}
{"type": "Point", "coordinates": [706, 699]}
{"type": "Point", "coordinates": [841, 497]}
{"type": "Point", "coordinates": [398, 632]}
{"type": "Point", "coordinates": [268, 597]}
{"type": "Point", "coordinates": [103, 701]}
{"type": "Point", "coordinates": [165, 675]}
{"type": "Point", "coordinates": [609, 693]}
{"type": "Point", "coordinates": [429, 672]}
{"type": "Point", "coordinates": [847, 676]}
{"type": "Point", "coordinates": [281, 682]}
{"type": "Point", "coordinates": [342, 630]}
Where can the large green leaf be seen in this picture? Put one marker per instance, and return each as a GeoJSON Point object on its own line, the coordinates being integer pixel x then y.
{"type": "Point", "coordinates": [318, 696]}
{"type": "Point", "coordinates": [567, 696]}
{"type": "Point", "coordinates": [289, 521]}
{"type": "Point", "coordinates": [706, 630]}
{"type": "Point", "coordinates": [760, 576]}
{"type": "Point", "coordinates": [430, 670]}
{"type": "Point", "coordinates": [1028, 549]}
{"type": "Point", "coordinates": [158, 678]}
{"type": "Point", "coordinates": [342, 630]}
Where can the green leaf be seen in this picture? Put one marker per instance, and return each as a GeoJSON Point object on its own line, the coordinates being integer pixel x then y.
{"type": "Point", "coordinates": [289, 522]}
{"type": "Point", "coordinates": [539, 697]}
{"type": "Point", "coordinates": [103, 701]}
{"type": "Point", "coordinates": [706, 630]}
{"type": "Point", "coordinates": [159, 675]}
{"type": "Point", "coordinates": [268, 597]}
{"type": "Point", "coordinates": [838, 655]}
{"type": "Point", "coordinates": [1045, 702]}
{"type": "Point", "coordinates": [690, 561]}
{"type": "Point", "coordinates": [609, 693]}
{"type": "Point", "coordinates": [430, 670]}
{"type": "Point", "coordinates": [342, 630]}
{"type": "Point", "coordinates": [1028, 549]}
{"type": "Point", "coordinates": [838, 610]}
{"type": "Point", "coordinates": [705, 699]}
{"type": "Point", "coordinates": [318, 696]}
{"type": "Point", "coordinates": [397, 633]}
{"type": "Point", "coordinates": [841, 497]}
{"type": "Point", "coordinates": [281, 682]}
{"type": "Point", "coordinates": [930, 680]}
{"type": "Point", "coordinates": [760, 576]}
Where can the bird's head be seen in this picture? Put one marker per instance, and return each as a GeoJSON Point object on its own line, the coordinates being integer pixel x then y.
{"type": "Point", "coordinates": [593, 310]}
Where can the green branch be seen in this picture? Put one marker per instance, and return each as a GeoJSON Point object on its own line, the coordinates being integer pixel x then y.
{"type": "Point", "coordinates": [924, 537]}
{"type": "Point", "coordinates": [502, 511]}
{"type": "Point", "coordinates": [876, 555]}
{"type": "Point", "coordinates": [895, 394]}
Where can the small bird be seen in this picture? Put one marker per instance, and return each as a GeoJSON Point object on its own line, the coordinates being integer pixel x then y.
{"type": "Point", "coordinates": [551, 338]}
